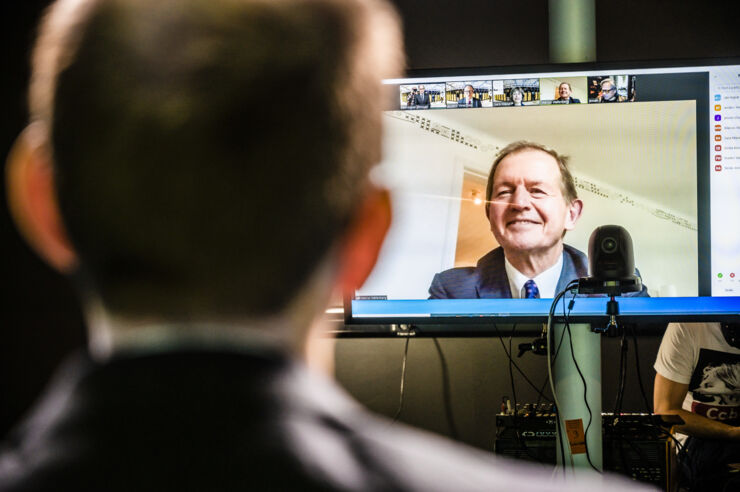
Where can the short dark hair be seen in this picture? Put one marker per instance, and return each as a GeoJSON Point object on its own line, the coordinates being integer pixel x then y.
{"type": "Point", "coordinates": [184, 183]}
{"type": "Point", "coordinates": [567, 183]}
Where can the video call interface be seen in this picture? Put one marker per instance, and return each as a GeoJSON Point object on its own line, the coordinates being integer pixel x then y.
{"type": "Point", "coordinates": [663, 162]}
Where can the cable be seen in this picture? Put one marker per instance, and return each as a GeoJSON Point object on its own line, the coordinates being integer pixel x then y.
{"type": "Point", "coordinates": [547, 378]}
{"type": "Point", "coordinates": [521, 443]}
{"type": "Point", "coordinates": [541, 393]}
{"type": "Point", "coordinates": [661, 431]}
{"type": "Point", "coordinates": [548, 336]}
{"type": "Point", "coordinates": [620, 395]}
{"type": "Point", "coordinates": [645, 400]}
{"type": "Point", "coordinates": [557, 407]}
{"type": "Point", "coordinates": [511, 379]}
{"type": "Point", "coordinates": [513, 362]}
{"type": "Point", "coordinates": [622, 374]}
{"type": "Point", "coordinates": [653, 431]}
{"type": "Point", "coordinates": [403, 380]}
{"type": "Point", "coordinates": [566, 316]}
{"type": "Point", "coordinates": [446, 394]}
{"type": "Point", "coordinates": [585, 395]}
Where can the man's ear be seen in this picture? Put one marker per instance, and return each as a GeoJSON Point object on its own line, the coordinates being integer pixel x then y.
{"type": "Point", "coordinates": [32, 199]}
{"type": "Point", "coordinates": [574, 213]}
{"type": "Point", "coordinates": [361, 243]}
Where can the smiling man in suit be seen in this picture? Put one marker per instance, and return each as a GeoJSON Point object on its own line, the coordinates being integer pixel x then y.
{"type": "Point", "coordinates": [531, 202]}
{"type": "Point", "coordinates": [469, 100]}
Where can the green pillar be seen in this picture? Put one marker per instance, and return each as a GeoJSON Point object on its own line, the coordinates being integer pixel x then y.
{"type": "Point", "coordinates": [570, 391]}
{"type": "Point", "coordinates": [572, 31]}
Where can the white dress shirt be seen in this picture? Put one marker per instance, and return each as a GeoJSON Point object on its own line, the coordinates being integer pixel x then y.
{"type": "Point", "coordinates": [546, 281]}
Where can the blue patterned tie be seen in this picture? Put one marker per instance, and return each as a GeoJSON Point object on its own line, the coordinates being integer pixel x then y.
{"type": "Point", "coordinates": [530, 290]}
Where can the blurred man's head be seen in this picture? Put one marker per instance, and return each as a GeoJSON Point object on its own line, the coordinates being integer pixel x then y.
{"type": "Point", "coordinates": [608, 90]}
{"type": "Point", "coordinates": [564, 91]}
{"type": "Point", "coordinates": [531, 198]}
{"type": "Point", "coordinates": [468, 92]}
{"type": "Point", "coordinates": [182, 190]}
{"type": "Point", "coordinates": [421, 89]}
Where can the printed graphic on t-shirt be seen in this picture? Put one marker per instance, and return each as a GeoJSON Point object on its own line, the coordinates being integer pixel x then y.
{"type": "Point", "coordinates": [715, 386]}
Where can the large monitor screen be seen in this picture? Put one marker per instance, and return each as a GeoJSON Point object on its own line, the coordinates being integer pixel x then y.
{"type": "Point", "coordinates": [655, 150]}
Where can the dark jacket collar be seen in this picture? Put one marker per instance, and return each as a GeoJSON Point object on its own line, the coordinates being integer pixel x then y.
{"type": "Point", "coordinates": [494, 283]}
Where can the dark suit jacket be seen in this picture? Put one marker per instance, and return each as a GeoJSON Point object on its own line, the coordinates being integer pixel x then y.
{"type": "Point", "coordinates": [488, 279]}
{"type": "Point", "coordinates": [462, 104]}
{"type": "Point", "coordinates": [228, 421]}
{"type": "Point", "coordinates": [422, 101]}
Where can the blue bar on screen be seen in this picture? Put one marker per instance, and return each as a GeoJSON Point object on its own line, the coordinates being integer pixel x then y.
{"type": "Point", "coordinates": [512, 308]}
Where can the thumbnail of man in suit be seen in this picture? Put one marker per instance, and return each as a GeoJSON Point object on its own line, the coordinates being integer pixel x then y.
{"type": "Point", "coordinates": [609, 92]}
{"type": "Point", "coordinates": [531, 201]}
{"type": "Point", "coordinates": [154, 178]}
{"type": "Point", "coordinates": [564, 94]}
{"type": "Point", "coordinates": [469, 100]}
{"type": "Point", "coordinates": [422, 99]}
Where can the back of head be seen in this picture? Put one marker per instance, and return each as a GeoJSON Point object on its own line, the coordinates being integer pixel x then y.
{"type": "Point", "coordinates": [208, 153]}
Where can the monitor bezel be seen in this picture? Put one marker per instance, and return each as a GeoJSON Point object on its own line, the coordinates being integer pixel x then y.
{"type": "Point", "coordinates": [414, 75]}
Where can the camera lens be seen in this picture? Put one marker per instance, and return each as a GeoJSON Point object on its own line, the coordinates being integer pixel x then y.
{"type": "Point", "coordinates": [609, 245]}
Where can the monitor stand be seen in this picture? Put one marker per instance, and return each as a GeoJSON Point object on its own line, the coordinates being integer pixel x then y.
{"type": "Point", "coordinates": [569, 388]}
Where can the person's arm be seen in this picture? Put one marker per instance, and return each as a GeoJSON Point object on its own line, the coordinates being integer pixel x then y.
{"type": "Point", "coordinates": [668, 397]}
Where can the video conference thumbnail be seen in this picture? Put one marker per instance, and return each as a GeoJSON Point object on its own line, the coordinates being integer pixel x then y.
{"type": "Point", "coordinates": [563, 90]}
{"type": "Point", "coordinates": [423, 96]}
{"type": "Point", "coordinates": [611, 88]}
{"type": "Point", "coordinates": [469, 94]}
{"type": "Point", "coordinates": [516, 92]}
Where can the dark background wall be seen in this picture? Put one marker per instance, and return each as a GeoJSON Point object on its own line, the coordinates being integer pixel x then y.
{"type": "Point", "coordinates": [40, 321]}
{"type": "Point", "coordinates": [455, 386]}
